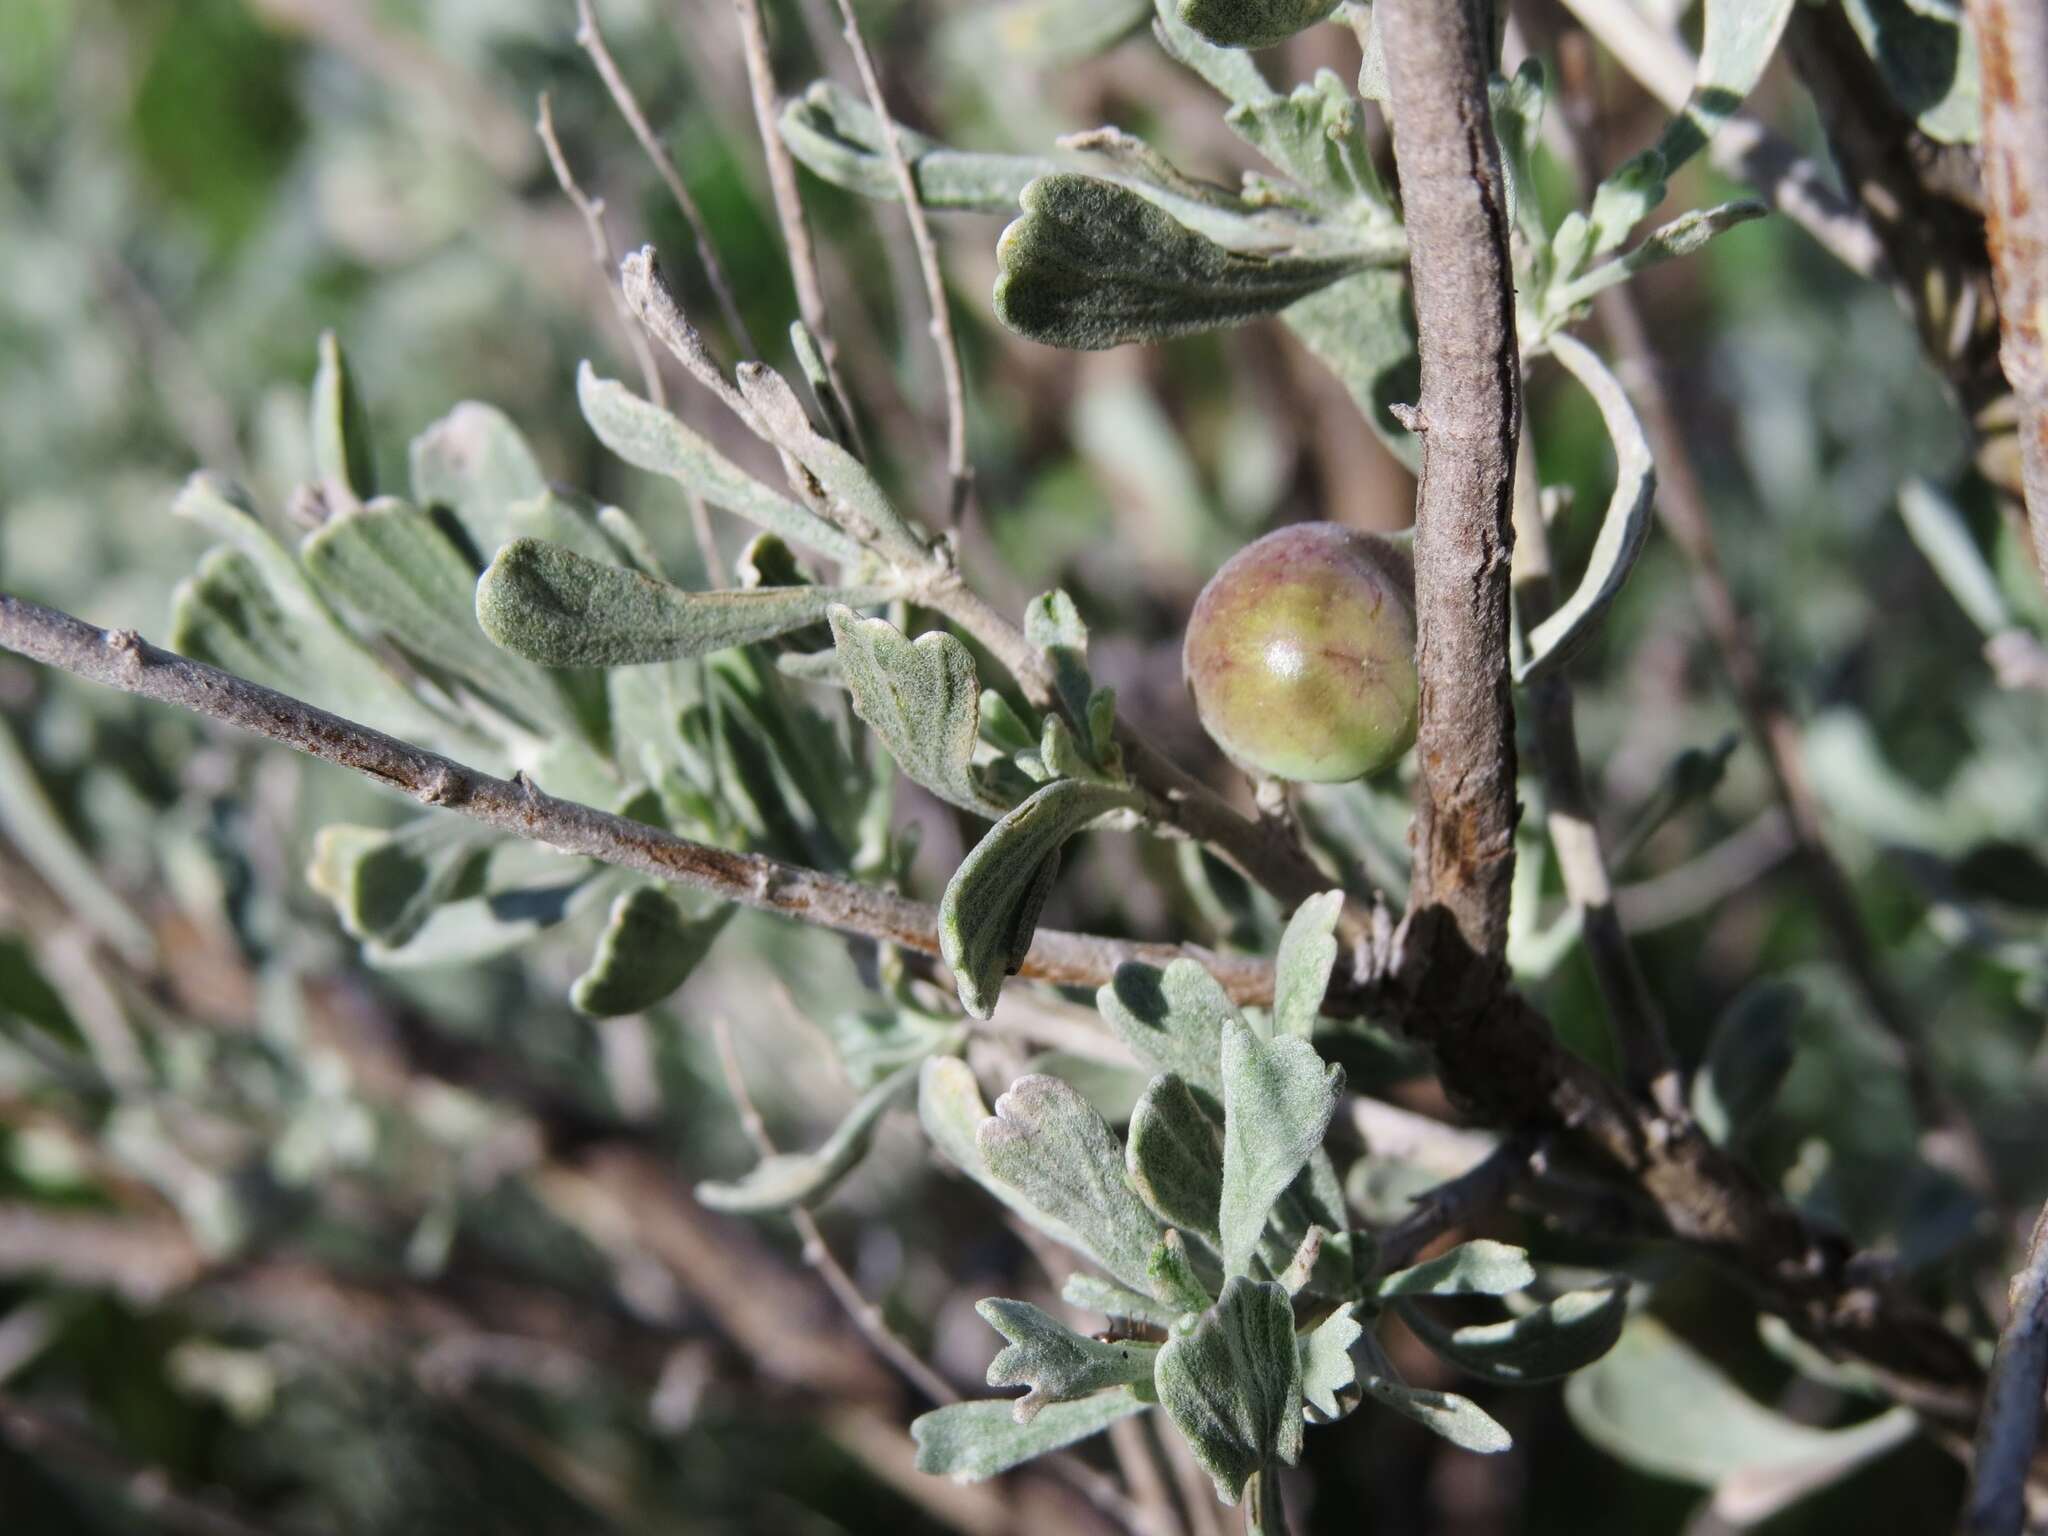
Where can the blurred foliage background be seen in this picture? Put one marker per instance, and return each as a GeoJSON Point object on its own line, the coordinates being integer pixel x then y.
{"type": "Point", "coordinates": [288, 1243]}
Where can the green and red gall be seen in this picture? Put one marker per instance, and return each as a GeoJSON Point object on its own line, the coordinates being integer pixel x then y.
{"type": "Point", "coordinates": [1301, 654]}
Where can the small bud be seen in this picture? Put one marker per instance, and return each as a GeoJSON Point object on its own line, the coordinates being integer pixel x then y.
{"type": "Point", "coordinates": [1301, 654]}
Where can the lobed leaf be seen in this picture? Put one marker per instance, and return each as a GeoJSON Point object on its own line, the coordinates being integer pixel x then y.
{"type": "Point", "coordinates": [648, 948]}
{"type": "Point", "coordinates": [952, 1112]}
{"type": "Point", "coordinates": [1172, 1019]}
{"type": "Point", "coordinates": [1057, 1364]}
{"type": "Point", "coordinates": [922, 698]}
{"type": "Point", "coordinates": [1232, 1384]}
{"type": "Point", "coordinates": [1278, 1097]}
{"type": "Point", "coordinates": [1301, 970]}
{"type": "Point", "coordinates": [1329, 1379]}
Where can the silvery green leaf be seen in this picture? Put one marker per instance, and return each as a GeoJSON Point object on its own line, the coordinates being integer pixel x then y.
{"type": "Point", "coordinates": [874, 1042]}
{"type": "Point", "coordinates": [1684, 235]}
{"type": "Point", "coordinates": [1232, 1384]}
{"type": "Point", "coordinates": [1316, 135]}
{"type": "Point", "coordinates": [922, 698]}
{"type": "Point", "coordinates": [551, 605]}
{"type": "Point", "coordinates": [1622, 531]}
{"type": "Point", "coordinates": [1173, 1019]}
{"type": "Point", "coordinates": [1114, 1088]}
{"type": "Point", "coordinates": [474, 462]}
{"type": "Point", "coordinates": [1053, 626]}
{"type": "Point", "coordinates": [1092, 265]}
{"type": "Point", "coordinates": [972, 1441]}
{"type": "Point", "coordinates": [991, 905]}
{"type": "Point", "coordinates": [1056, 1363]}
{"type": "Point", "coordinates": [263, 606]}
{"type": "Point", "coordinates": [1278, 1096]}
{"type": "Point", "coordinates": [1174, 1279]}
{"type": "Point", "coordinates": [1458, 1419]}
{"type": "Point", "coordinates": [804, 1178]}
{"type": "Point", "coordinates": [837, 136]}
{"type": "Point", "coordinates": [1003, 728]}
{"type": "Point", "coordinates": [1174, 1155]}
{"type": "Point", "coordinates": [1252, 23]}
{"type": "Point", "coordinates": [1329, 1380]}
{"type": "Point", "coordinates": [1092, 1293]}
{"type": "Point", "coordinates": [1623, 201]}
{"type": "Point", "coordinates": [1655, 1404]}
{"type": "Point", "coordinates": [1362, 330]}
{"type": "Point", "coordinates": [1048, 1144]}
{"type": "Point", "coordinates": [38, 832]}
{"type": "Point", "coordinates": [651, 438]}
{"type": "Point", "coordinates": [810, 358]}
{"type": "Point", "coordinates": [1517, 119]}
{"type": "Point", "coordinates": [343, 457]}
{"type": "Point", "coordinates": [1063, 757]}
{"type": "Point", "coordinates": [1230, 71]}
{"type": "Point", "coordinates": [862, 501]}
{"type": "Point", "coordinates": [1301, 971]}
{"type": "Point", "coordinates": [647, 950]}
{"type": "Point", "coordinates": [384, 884]}
{"type": "Point", "coordinates": [478, 927]}
{"type": "Point", "coordinates": [1927, 54]}
{"type": "Point", "coordinates": [1938, 529]}
{"type": "Point", "coordinates": [951, 1109]}
{"type": "Point", "coordinates": [1748, 1055]}
{"type": "Point", "coordinates": [1481, 1267]}
{"type": "Point", "coordinates": [1555, 1339]}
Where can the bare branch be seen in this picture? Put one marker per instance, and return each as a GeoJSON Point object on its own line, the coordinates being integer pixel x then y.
{"type": "Point", "coordinates": [1469, 418]}
{"type": "Point", "coordinates": [958, 471]}
{"type": "Point", "coordinates": [2010, 1432]}
{"type": "Point", "coordinates": [123, 659]}
{"type": "Point", "coordinates": [2012, 42]}
{"type": "Point", "coordinates": [591, 40]}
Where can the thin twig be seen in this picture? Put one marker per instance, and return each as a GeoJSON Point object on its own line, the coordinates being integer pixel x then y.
{"type": "Point", "coordinates": [46, 1436]}
{"type": "Point", "coordinates": [591, 40]}
{"type": "Point", "coordinates": [607, 262]}
{"type": "Point", "coordinates": [958, 471]}
{"type": "Point", "coordinates": [1743, 148]}
{"type": "Point", "coordinates": [2009, 1434]}
{"type": "Point", "coordinates": [866, 1316]}
{"type": "Point", "coordinates": [123, 659]}
{"type": "Point", "coordinates": [1632, 1013]}
{"type": "Point", "coordinates": [784, 189]}
{"type": "Point", "coordinates": [1457, 1202]}
{"type": "Point", "coordinates": [2012, 42]}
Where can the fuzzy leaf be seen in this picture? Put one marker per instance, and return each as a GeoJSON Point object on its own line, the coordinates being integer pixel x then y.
{"type": "Point", "coordinates": [1927, 54]}
{"type": "Point", "coordinates": [653, 439]}
{"type": "Point", "coordinates": [1053, 626]}
{"type": "Point", "coordinates": [1329, 1381]}
{"type": "Point", "coordinates": [1047, 1142]}
{"type": "Point", "coordinates": [1278, 1097]}
{"type": "Point", "coordinates": [1092, 1293]}
{"type": "Point", "coordinates": [384, 885]}
{"type": "Point", "coordinates": [1252, 23]}
{"type": "Point", "coordinates": [1683, 236]}
{"type": "Point", "coordinates": [1559, 1337]}
{"type": "Point", "coordinates": [972, 1441]}
{"type": "Point", "coordinates": [1171, 1270]}
{"type": "Point", "coordinates": [1301, 971]}
{"type": "Point", "coordinates": [1458, 1419]}
{"type": "Point", "coordinates": [1655, 1404]}
{"type": "Point", "coordinates": [474, 462]}
{"type": "Point", "coordinates": [547, 603]}
{"type": "Point", "coordinates": [951, 1109]}
{"type": "Point", "coordinates": [804, 1178]}
{"type": "Point", "coordinates": [1481, 1267]}
{"type": "Point", "coordinates": [1315, 134]}
{"type": "Point", "coordinates": [1175, 1157]}
{"type": "Point", "coordinates": [1747, 1058]}
{"type": "Point", "coordinates": [1622, 530]}
{"type": "Point", "coordinates": [343, 456]}
{"type": "Point", "coordinates": [991, 905]}
{"type": "Point", "coordinates": [837, 136]}
{"type": "Point", "coordinates": [1057, 1364]}
{"type": "Point", "coordinates": [1232, 1385]}
{"type": "Point", "coordinates": [1363, 331]}
{"type": "Point", "coordinates": [1172, 1019]}
{"type": "Point", "coordinates": [1092, 265]}
{"type": "Point", "coordinates": [647, 950]}
{"type": "Point", "coordinates": [922, 698]}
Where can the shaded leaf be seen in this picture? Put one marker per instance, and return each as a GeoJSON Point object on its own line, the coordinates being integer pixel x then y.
{"type": "Point", "coordinates": [1092, 1293]}
{"type": "Point", "coordinates": [385, 884]}
{"type": "Point", "coordinates": [1252, 23]}
{"type": "Point", "coordinates": [1171, 1270]}
{"type": "Point", "coordinates": [838, 137]}
{"type": "Point", "coordinates": [1175, 1157]}
{"type": "Point", "coordinates": [1172, 1019]}
{"type": "Point", "coordinates": [922, 698]}
{"type": "Point", "coordinates": [1301, 971]}
{"type": "Point", "coordinates": [1938, 529]}
{"type": "Point", "coordinates": [1232, 1384]}
{"type": "Point", "coordinates": [1278, 1097]}
{"type": "Point", "coordinates": [1747, 1058]}
{"type": "Point", "coordinates": [1092, 265]}
{"type": "Point", "coordinates": [1363, 330]}
{"type": "Point", "coordinates": [1927, 53]}
{"type": "Point", "coordinates": [991, 905]}
{"type": "Point", "coordinates": [554, 606]}
{"type": "Point", "coordinates": [803, 1178]}
{"type": "Point", "coordinates": [1481, 1267]}
{"type": "Point", "coordinates": [971, 1441]}
{"type": "Point", "coordinates": [648, 948]}
{"type": "Point", "coordinates": [1458, 1419]}
{"type": "Point", "coordinates": [1555, 1339]}
{"type": "Point", "coordinates": [344, 459]}
{"type": "Point", "coordinates": [474, 462]}
{"type": "Point", "coordinates": [952, 1111]}
{"type": "Point", "coordinates": [1047, 1142]}
{"type": "Point", "coordinates": [1316, 135]}
{"type": "Point", "coordinates": [1329, 1381]}
{"type": "Point", "coordinates": [1057, 1364]}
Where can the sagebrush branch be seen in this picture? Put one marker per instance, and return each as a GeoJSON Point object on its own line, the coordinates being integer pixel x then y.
{"type": "Point", "coordinates": [2009, 1435]}
{"type": "Point", "coordinates": [123, 659]}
